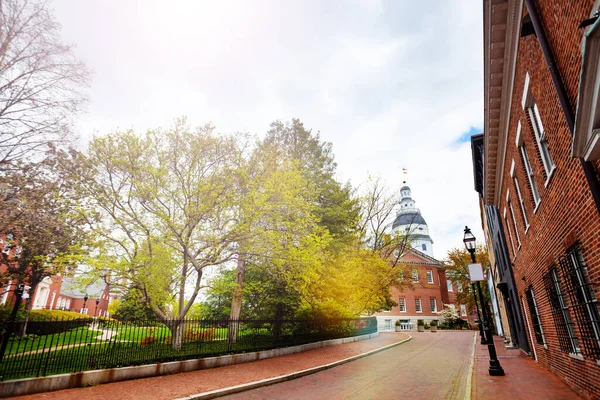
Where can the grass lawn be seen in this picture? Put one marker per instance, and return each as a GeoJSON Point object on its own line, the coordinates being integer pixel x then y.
{"type": "Point", "coordinates": [31, 343]}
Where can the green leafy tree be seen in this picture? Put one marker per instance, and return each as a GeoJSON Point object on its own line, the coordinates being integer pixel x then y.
{"type": "Point", "coordinates": [165, 202]}
{"type": "Point", "coordinates": [131, 307]}
{"type": "Point", "coordinates": [457, 261]}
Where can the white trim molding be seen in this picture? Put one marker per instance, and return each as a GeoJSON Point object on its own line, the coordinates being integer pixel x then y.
{"type": "Point", "coordinates": [586, 136]}
{"type": "Point", "coordinates": [501, 35]}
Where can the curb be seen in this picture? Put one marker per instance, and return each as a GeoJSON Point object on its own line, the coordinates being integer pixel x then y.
{"type": "Point", "coordinates": [213, 394]}
{"type": "Point", "coordinates": [26, 386]}
{"type": "Point", "coordinates": [469, 385]}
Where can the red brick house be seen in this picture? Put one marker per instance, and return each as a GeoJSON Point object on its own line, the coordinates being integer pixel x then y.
{"type": "Point", "coordinates": [536, 171]}
{"type": "Point", "coordinates": [427, 289]}
{"type": "Point", "coordinates": [423, 298]}
{"type": "Point", "coordinates": [58, 293]}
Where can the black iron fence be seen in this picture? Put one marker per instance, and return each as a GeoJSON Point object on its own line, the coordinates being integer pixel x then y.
{"type": "Point", "coordinates": [62, 346]}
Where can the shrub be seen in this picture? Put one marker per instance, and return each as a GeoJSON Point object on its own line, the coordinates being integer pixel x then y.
{"type": "Point", "coordinates": [398, 322]}
{"type": "Point", "coordinates": [148, 340]}
{"type": "Point", "coordinates": [43, 315]}
{"type": "Point", "coordinates": [426, 325]}
{"type": "Point", "coordinates": [420, 322]}
{"type": "Point", "coordinates": [433, 323]}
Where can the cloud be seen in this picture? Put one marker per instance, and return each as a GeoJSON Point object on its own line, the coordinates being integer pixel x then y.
{"type": "Point", "coordinates": [389, 83]}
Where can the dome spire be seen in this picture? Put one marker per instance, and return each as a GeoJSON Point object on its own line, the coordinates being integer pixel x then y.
{"type": "Point", "coordinates": [410, 221]}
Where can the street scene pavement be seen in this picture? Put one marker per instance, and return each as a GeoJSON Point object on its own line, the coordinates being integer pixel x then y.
{"type": "Point", "coordinates": [441, 365]}
{"type": "Point", "coordinates": [430, 366]}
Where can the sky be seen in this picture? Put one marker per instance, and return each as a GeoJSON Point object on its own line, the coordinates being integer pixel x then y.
{"type": "Point", "coordinates": [391, 84]}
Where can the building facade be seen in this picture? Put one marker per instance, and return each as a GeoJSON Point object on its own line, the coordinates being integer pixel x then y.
{"type": "Point", "coordinates": [59, 293]}
{"type": "Point", "coordinates": [427, 290]}
{"type": "Point", "coordinates": [537, 175]}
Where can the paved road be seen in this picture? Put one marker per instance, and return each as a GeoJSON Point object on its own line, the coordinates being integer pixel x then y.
{"type": "Point", "coordinates": [431, 366]}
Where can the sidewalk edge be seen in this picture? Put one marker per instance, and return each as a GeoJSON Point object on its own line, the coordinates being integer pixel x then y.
{"type": "Point", "coordinates": [469, 385]}
{"type": "Point", "coordinates": [213, 394]}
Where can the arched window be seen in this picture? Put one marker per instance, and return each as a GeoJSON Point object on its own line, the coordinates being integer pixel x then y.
{"type": "Point", "coordinates": [424, 247]}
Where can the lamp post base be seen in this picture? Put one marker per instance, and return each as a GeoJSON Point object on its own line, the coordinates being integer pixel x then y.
{"type": "Point", "coordinates": [495, 368]}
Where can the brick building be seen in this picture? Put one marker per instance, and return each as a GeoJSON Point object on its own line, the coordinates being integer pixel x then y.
{"type": "Point", "coordinates": [58, 293]}
{"type": "Point", "coordinates": [536, 170]}
{"type": "Point", "coordinates": [428, 289]}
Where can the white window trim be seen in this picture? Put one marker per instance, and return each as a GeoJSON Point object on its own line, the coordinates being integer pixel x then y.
{"type": "Point", "coordinates": [525, 219]}
{"type": "Point", "coordinates": [430, 274]}
{"type": "Point", "coordinates": [529, 172]}
{"type": "Point", "coordinates": [586, 135]}
{"type": "Point", "coordinates": [529, 105]}
{"type": "Point", "coordinates": [420, 305]}
{"type": "Point", "coordinates": [434, 303]}
{"type": "Point", "coordinates": [400, 304]}
{"type": "Point", "coordinates": [542, 142]}
{"type": "Point", "coordinates": [449, 285]}
{"type": "Point", "coordinates": [510, 236]}
{"type": "Point", "coordinates": [463, 310]}
{"type": "Point", "coordinates": [514, 220]}
{"type": "Point", "coordinates": [413, 276]}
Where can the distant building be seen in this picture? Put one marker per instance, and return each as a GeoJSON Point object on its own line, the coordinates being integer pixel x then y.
{"type": "Point", "coordinates": [428, 289]}
{"type": "Point", "coordinates": [58, 293]}
{"type": "Point", "coordinates": [536, 171]}
{"type": "Point", "coordinates": [409, 220]}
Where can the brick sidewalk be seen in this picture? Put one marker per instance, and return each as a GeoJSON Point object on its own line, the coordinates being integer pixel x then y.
{"type": "Point", "coordinates": [524, 378]}
{"type": "Point", "coordinates": [188, 383]}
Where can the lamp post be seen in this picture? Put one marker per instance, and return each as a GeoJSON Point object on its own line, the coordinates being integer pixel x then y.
{"type": "Point", "coordinates": [469, 241]}
{"type": "Point", "coordinates": [85, 299]}
{"type": "Point", "coordinates": [96, 309]}
{"type": "Point", "coordinates": [495, 368]}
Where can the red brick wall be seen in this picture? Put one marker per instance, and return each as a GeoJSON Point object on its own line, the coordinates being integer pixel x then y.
{"type": "Point", "coordinates": [423, 290]}
{"type": "Point", "coordinates": [567, 212]}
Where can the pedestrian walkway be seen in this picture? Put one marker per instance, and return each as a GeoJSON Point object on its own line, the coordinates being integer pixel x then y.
{"type": "Point", "coordinates": [189, 383]}
{"type": "Point", "coordinates": [524, 378]}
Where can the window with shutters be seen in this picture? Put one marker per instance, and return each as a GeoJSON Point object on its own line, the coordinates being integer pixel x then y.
{"type": "Point", "coordinates": [535, 316]}
{"type": "Point", "coordinates": [584, 304]}
{"type": "Point", "coordinates": [565, 330]}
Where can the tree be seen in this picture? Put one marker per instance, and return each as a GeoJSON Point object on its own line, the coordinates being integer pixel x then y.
{"type": "Point", "coordinates": [457, 261]}
{"type": "Point", "coordinates": [131, 307]}
{"type": "Point", "coordinates": [40, 81]}
{"type": "Point", "coordinates": [335, 206]}
{"type": "Point", "coordinates": [165, 203]}
{"type": "Point", "coordinates": [275, 219]}
{"type": "Point", "coordinates": [43, 235]}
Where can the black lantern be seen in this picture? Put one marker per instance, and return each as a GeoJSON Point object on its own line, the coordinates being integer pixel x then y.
{"type": "Point", "coordinates": [85, 299]}
{"type": "Point", "coordinates": [96, 309]}
{"type": "Point", "coordinates": [470, 242]}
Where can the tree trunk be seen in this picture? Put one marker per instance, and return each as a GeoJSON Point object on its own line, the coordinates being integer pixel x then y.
{"type": "Point", "coordinates": [28, 307]}
{"type": "Point", "coordinates": [177, 333]}
{"type": "Point", "coordinates": [236, 301]}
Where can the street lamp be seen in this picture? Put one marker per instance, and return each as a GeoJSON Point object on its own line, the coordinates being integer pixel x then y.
{"type": "Point", "coordinates": [495, 368]}
{"type": "Point", "coordinates": [96, 309]}
{"type": "Point", "coordinates": [85, 299]}
{"type": "Point", "coordinates": [470, 245]}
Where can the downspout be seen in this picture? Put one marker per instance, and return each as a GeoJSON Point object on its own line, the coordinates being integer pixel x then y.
{"type": "Point", "coordinates": [588, 168]}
